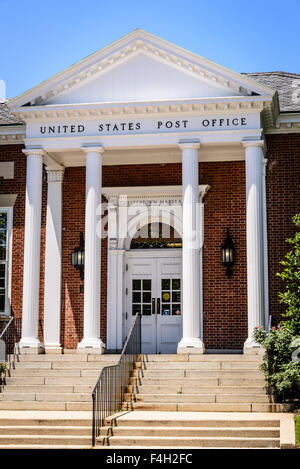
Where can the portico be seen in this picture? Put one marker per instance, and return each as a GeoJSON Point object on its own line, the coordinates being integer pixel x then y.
{"type": "Point", "coordinates": [81, 122]}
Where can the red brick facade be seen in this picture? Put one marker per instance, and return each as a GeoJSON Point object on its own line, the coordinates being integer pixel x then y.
{"type": "Point", "coordinates": [225, 299]}
{"type": "Point", "coordinates": [283, 199]}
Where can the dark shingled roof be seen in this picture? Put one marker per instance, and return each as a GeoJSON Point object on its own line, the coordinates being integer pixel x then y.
{"type": "Point", "coordinates": [6, 117]}
{"type": "Point", "coordinates": [285, 83]}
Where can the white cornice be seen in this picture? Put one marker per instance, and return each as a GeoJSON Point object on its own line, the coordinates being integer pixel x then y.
{"type": "Point", "coordinates": [12, 134]}
{"type": "Point", "coordinates": [231, 103]}
{"type": "Point", "coordinates": [286, 123]}
{"type": "Point", "coordinates": [133, 43]}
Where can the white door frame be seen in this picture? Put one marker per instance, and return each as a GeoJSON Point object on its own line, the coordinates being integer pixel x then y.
{"type": "Point", "coordinates": [121, 201]}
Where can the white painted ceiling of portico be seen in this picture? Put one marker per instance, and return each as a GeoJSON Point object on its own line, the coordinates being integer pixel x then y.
{"type": "Point", "coordinates": [140, 67]}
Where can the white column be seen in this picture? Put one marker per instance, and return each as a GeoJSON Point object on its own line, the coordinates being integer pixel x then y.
{"type": "Point", "coordinates": [52, 295]}
{"type": "Point", "coordinates": [201, 215]}
{"type": "Point", "coordinates": [254, 228]}
{"type": "Point", "coordinates": [265, 228]}
{"type": "Point", "coordinates": [120, 298]}
{"type": "Point", "coordinates": [191, 341]}
{"type": "Point", "coordinates": [92, 265]}
{"type": "Point", "coordinates": [112, 295]}
{"type": "Point", "coordinates": [31, 274]}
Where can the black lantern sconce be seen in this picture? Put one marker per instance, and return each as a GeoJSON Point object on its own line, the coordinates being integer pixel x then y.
{"type": "Point", "coordinates": [77, 257]}
{"type": "Point", "coordinates": [228, 254]}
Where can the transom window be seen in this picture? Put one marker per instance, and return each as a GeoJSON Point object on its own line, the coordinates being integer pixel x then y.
{"type": "Point", "coordinates": [156, 236]}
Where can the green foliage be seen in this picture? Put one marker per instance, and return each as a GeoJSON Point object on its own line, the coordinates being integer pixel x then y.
{"type": "Point", "coordinates": [291, 276]}
{"type": "Point", "coordinates": [281, 372]}
{"type": "Point", "coordinates": [297, 428]}
{"type": "Point", "coordinates": [2, 368]}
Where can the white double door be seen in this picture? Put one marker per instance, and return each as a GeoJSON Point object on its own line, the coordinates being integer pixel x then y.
{"type": "Point", "coordinates": [154, 290]}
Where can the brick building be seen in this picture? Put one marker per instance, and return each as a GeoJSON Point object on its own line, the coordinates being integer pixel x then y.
{"type": "Point", "coordinates": [179, 149]}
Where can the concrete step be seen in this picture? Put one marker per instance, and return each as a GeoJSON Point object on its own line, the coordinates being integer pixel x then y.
{"type": "Point", "coordinates": [42, 380]}
{"type": "Point", "coordinates": [45, 422]}
{"type": "Point", "coordinates": [206, 407]}
{"type": "Point", "coordinates": [185, 388]}
{"type": "Point", "coordinates": [154, 420]}
{"type": "Point", "coordinates": [43, 405]}
{"type": "Point", "coordinates": [193, 398]}
{"type": "Point", "coordinates": [44, 440]}
{"type": "Point", "coordinates": [79, 357]}
{"type": "Point", "coordinates": [201, 365]}
{"type": "Point", "coordinates": [46, 397]}
{"type": "Point", "coordinates": [47, 446]}
{"type": "Point", "coordinates": [59, 365]}
{"type": "Point", "coordinates": [166, 373]}
{"type": "Point", "coordinates": [22, 372]}
{"type": "Point", "coordinates": [45, 430]}
{"type": "Point", "coordinates": [48, 389]}
{"type": "Point", "coordinates": [198, 442]}
{"type": "Point", "coordinates": [201, 357]}
{"type": "Point", "coordinates": [179, 431]}
{"type": "Point", "coordinates": [197, 382]}
{"type": "Point", "coordinates": [25, 388]}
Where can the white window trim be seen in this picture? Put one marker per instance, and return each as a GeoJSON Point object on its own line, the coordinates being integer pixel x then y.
{"type": "Point", "coordinates": [9, 211]}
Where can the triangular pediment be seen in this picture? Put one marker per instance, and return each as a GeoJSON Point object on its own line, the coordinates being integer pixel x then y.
{"type": "Point", "coordinates": [140, 67]}
{"type": "Point", "coordinates": [142, 77]}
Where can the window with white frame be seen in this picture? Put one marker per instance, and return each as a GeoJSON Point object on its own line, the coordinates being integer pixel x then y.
{"type": "Point", "coordinates": [5, 258]}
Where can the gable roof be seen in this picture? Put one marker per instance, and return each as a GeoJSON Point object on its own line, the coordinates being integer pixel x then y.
{"type": "Point", "coordinates": [6, 116]}
{"type": "Point", "coordinates": [285, 83]}
{"type": "Point", "coordinates": [119, 51]}
{"type": "Point", "coordinates": [249, 83]}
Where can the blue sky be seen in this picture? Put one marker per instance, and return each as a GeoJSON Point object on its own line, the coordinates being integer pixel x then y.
{"type": "Point", "coordinates": [40, 38]}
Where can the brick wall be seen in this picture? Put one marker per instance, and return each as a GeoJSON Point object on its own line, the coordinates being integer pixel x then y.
{"type": "Point", "coordinates": [225, 299]}
{"type": "Point", "coordinates": [283, 202]}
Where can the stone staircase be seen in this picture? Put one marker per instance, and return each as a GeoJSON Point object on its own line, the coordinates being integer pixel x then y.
{"type": "Point", "coordinates": [199, 383]}
{"type": "Point", "coordinates": [191, 430]}
{"type": "Point", "coordinates": [40, 430]}
{"type": "Point", "coordinates": [52, 382]}
{"type": "Point", "coordinates": [178, 401]}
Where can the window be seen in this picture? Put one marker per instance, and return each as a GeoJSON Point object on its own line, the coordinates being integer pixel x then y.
{"type": "Point", "coordinates": [5, 258]}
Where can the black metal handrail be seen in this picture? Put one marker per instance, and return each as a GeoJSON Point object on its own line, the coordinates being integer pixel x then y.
{"type": "Point", "coordinates": [109, 391]}
{"type": "Point", "coordinates": [3, 341]}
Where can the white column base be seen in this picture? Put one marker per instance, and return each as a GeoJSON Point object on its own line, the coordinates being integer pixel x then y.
{"type": "Point", "coordinates": [53, 348]}
{"type": "Point", "coordinates": [30, 346]}
{"type": "Point", "coordinates": [91, 346]}
{"type": "Point", "coordinates": [190, 345]}
{"type": "Point", "coordinates": [251, 347]}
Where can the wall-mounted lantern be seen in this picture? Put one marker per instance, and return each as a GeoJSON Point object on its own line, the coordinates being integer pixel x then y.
{"type": "Point", "coordinates": [228, 254]}
{"type": "Point", "coordinates": [77, 257]}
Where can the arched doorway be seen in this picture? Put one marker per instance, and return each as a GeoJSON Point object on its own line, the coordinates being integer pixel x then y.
{"type": "Point", "coordinates": [153, 286]}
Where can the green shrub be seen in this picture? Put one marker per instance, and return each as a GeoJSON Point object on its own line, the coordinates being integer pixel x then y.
{"type": "Point", "coordinates": [291, 276]}
{"type": "Point", "coordinates": [282, 374]}
{"type": "Point", "coordinates": [2, 368]}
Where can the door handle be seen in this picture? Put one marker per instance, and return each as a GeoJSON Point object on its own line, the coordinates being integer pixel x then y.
{"type": "Point", "coordinates": [158, 306]}
{"type": "Point", "coordinates": [153, 305]}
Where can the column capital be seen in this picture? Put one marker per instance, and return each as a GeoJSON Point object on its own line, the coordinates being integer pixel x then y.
{"type": "Point", "coordinates": [55, 175]}
{"type": "Point", "coordinates": [253, 143]}
{"type": "Point", "coordinates": [183, 144]}
{"type": "Point", "coordinates": [92, 148]}
{"type": "Point", "coordinates": [34, 151]}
